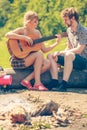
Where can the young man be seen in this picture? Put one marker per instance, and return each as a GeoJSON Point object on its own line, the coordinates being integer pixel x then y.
{"type": "Point", "coordinates": [29, 33]}
{"type": "Point", "coordinates": [75, 54]}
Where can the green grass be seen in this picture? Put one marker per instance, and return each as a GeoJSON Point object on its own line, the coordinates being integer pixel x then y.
{"type": "Point", "coordinates": [85, 115]}
{"type": "Point", "coordinates": [38, 125]}
{"type": "Point", "coordinates": [1, 129]}
{"type": "Point", "coordinates": [5, 56]}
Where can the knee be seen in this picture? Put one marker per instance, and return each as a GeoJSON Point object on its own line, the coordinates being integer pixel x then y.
{"type": "Point", "coordinates": [40, 55]}
{"type": "Point", "coordinates": [49, 56]}
{"type": "Point", "coordinates": [47, 63]}
{"type": "Point", "coordinates": [69, 56]}
{"type": "Point", "coordinates": [52, 58]}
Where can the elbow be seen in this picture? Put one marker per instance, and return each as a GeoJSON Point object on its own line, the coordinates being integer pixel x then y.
{"type": "Point", "coordinates": [45, 51]}
{"type": "Point", "coordinates": [79, 52]}
{"type": "Point", "coordinates": [7, 35]}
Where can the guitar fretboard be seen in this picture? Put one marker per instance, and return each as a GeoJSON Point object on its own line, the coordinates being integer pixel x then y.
{"type": "Point", "coordinates": [44, 39]}
{"type": "Point", "coordinates": [64, 34]}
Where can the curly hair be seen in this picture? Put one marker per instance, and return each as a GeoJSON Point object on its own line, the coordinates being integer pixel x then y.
{"type": "Point", "coordinates": [70, 12]}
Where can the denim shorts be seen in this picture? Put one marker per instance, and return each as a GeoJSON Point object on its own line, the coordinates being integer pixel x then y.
{"type": "Point", "coordinates": [79, 63]}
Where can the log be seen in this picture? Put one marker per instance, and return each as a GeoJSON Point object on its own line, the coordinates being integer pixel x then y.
{"type": "Point", "coordinates": [77, 78]}
{"type": "Point", "coordinates": [19, 74]}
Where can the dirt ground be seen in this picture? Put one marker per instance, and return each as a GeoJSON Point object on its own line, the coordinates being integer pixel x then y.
{"type": "Point", "coordinates": [74, 99]}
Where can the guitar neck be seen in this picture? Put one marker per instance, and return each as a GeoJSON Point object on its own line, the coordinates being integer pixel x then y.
{"type": "Point", "coordinates": [64, 34]}
{"type": "Point", "coordinates": [44, 39]}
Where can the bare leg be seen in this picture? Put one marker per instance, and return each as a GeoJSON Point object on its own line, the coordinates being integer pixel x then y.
{"type": "Point", "coordinates": [37, 67]}
{"type": "Point", "coordinates": [53, 68]}
{"type": "Point", "coordinates": [54, 72]}
{"type": "Point", "coordinates": [40, 66]}
{"type": "Point", "coordinates": [68, 65]}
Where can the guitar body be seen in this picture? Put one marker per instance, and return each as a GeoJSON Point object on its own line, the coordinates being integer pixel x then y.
{"type": "Point", "coordinates": [20, 48]}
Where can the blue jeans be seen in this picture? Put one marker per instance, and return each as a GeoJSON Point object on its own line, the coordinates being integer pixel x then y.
{"type": "Point", "coordinates": [79, 63]}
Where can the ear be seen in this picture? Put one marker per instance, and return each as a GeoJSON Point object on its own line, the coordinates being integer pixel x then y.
{"type": "Point", "coordinates": [73, 18]}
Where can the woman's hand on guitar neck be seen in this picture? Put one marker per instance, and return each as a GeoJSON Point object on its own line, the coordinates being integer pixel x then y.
{"type": "Point", "coordinates": [58, 38]}
{"type": "Point", "coordinates": [29, 40]}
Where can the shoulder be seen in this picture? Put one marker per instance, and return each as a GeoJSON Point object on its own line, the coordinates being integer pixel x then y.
{"type": "Point", "coordinates": [82, 34]}
{"type": "Point", "coordinates": [38, 33]}
{"type": "Point", "coordinates": [81, 29]}
{"type": "Point", "coordinates": [19, 30]}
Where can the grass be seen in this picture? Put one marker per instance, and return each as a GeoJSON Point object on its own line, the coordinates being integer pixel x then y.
{"type": "Point", "coordinates": [85, 115]}
{"type": "Point", "coordinates": [5, 56]}
{"type": "Point", "coordinates": [38, 125]}
{"type": "Point", "coordinates": [1, 129]}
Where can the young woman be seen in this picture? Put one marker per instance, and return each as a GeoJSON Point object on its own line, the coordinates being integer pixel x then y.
{"type": "Point", "coordinates": [29, 33]}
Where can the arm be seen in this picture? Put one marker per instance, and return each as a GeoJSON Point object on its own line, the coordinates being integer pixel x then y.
{"type": "Point", "coordinates": [16, 34]}
{"type": "Point", "coordinates": [78, 49]}
{"type": "Point", "coordinates": [19, 34]}
{"type": "Point", "coordinates": [68, 47]}
{"type": "Point", "coordinates": [47, 49]}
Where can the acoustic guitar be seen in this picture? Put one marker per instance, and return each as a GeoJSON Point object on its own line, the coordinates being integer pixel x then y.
{"type": "Point", "coordinates": [20, 48]}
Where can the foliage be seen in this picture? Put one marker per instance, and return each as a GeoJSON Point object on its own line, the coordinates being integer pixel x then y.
{"type": "Point", "coordinates": [4, 8]}
{"type": "Point", "coordinates": [12, 12]}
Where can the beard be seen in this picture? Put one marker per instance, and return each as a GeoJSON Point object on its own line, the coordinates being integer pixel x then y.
{"type": "Point", "coordinates": [70, 24]}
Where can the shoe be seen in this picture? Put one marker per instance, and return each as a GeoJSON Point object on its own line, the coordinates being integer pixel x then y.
{"type": "Point", "coordinates": [40, 87]}
{"type": "Point", "coordinates": [26, 84]}
{"type": "Point", "coordinates": [53, 84]}
{"type": "Point", "coordinates": [62, 88]}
